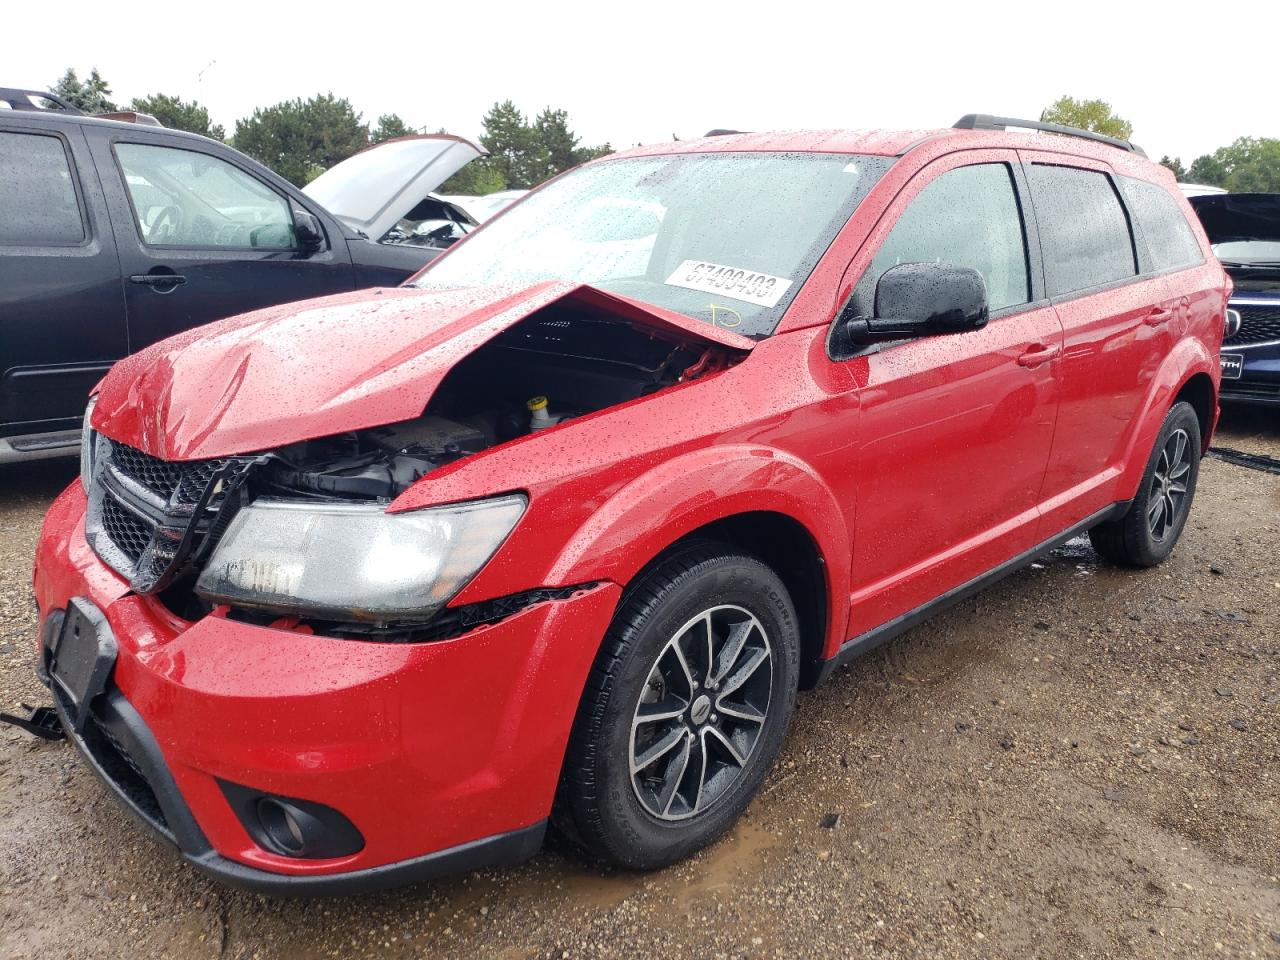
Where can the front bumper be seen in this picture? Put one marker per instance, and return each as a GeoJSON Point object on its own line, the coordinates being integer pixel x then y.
{"type": "Point", "coordinates": [444, 755]}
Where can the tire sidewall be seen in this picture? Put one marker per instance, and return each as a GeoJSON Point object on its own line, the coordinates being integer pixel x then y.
{"type": "Point", "coordinates": [741, 581]}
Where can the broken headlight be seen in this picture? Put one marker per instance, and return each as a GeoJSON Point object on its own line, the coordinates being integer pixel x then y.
{"type": "Point", "coordinates": [353, 561]}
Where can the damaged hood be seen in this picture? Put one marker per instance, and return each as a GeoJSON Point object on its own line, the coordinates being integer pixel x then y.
{"type": "Point", "coordinates": [321, 367]}
{"type": "Point", "coordinates": [374, 190]}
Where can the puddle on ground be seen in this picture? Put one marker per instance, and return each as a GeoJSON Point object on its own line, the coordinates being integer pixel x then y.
{"type": "Point", "coordinates": [720, 868]}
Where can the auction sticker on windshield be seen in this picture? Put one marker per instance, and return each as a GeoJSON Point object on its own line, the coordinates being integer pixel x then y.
{"type": "Point", "coordinates": [745, 285]}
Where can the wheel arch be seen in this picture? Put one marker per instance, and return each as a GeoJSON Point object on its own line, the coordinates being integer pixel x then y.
{"type": "Point", "coordinates": [1186, 373]}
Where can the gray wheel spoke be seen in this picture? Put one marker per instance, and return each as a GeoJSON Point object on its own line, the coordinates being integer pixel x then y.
{"type": "Point", "coordinates": [743, 673]}
{"type": "Point", "coordinates": [1180, 470]}
{"type": "Point", "coordinates": [715, 733]}
{"type": "Point", "coordinates": [732, 648]}
{"type": "Point", "coordinates": [668, 709]}
{"type": "Point", "coordinates": [684, 666]}
{"type": "Point", "coordinates": [711, 647]}
{"type": "Point", "coordinates": [1177, 488]}
{"type": "Point", "coordinates": [659, 749]}
{"type": "Point", "coordinates": [1155, 510]}
{"type": "Point", "coordinates": [700, 766]}
{"type": "Point", "coordinates": [739, 711]}
{"type": "Point", "coordinates": [675, 772]}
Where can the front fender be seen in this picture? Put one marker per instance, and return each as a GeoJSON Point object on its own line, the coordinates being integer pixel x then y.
{"type": "Point", "coordinates": [1188, 357]}
{"type": "Point", "coordinates": [678, 496]}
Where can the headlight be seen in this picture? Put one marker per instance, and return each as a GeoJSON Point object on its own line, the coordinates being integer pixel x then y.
{"type": "Point", "coordinates": [354, 561]}
{"type": "Point", "coordinates": [88, 441]}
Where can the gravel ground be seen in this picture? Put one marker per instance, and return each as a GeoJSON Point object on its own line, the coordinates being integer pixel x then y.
{"type": "Point", "coordinates": [1081, 762]}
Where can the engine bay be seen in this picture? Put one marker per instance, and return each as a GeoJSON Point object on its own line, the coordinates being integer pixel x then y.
{"type": "Point", "coordinates": [558, 364]}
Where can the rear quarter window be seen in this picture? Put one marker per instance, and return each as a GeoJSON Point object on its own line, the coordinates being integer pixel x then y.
{"type": "Point", "coordinates": [1171, 243]}
{"type": "Point", "coordinates": [1084, 229]}
{"type": "Point", "coordinates": [38, 204]}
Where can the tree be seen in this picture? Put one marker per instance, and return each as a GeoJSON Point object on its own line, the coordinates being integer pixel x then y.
{"type": "Point", "coordinates": [91, 96]}
{"type": "Point", "coordinates": [389, 127]}
{"type": "Point", "coordinates": [521, 154]}
{"type": "Point", "coordinates": [1174, 164]}
{"type": "Point", "coordinates": [1092, 115]}
{"type": "Point", "coordinates": [1250, 165]}
{"type": "Point", "coordinates": [300, 139]}
{"type": "Point", "coordinates": [179, 114]}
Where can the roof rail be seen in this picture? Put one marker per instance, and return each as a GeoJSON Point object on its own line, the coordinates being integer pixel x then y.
{"type": "Point", "coordinates": [130, 116]}
{"type": "Point", "coordinates": [984, 121]}
{"type": "Point", "coordinates": [720, 132]}
{"type": "Point", "coordinates": [16, 98]}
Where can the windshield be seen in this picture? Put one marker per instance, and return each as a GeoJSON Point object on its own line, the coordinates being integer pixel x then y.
{"type": "Point", "coordinates": [727, 238]}
{"type": "Point", "coordinates": [1248, 251]}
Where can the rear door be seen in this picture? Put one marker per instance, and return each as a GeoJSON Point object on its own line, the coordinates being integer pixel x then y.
{"type": "Point", "coordinates": [62, 320]}
{"type": "Point", "coordinates": [1117, 326]}
{"type": "Point", "coordinates": [958, 428]}
{"type": "Point", "coordinates": [202, 236]}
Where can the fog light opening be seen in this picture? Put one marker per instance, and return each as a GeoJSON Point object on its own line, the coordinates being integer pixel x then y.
{"type": "Point", "coordinates": [282, 825]}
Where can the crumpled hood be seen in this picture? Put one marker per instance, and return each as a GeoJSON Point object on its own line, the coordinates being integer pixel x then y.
{"type": "Point", "coordinates": [347, 362]}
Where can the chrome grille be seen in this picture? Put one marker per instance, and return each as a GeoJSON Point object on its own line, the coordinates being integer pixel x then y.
{"type": "Point", "coordinates": [1259, 323]}
{"type": "Point", "coordinates": [149, 517]}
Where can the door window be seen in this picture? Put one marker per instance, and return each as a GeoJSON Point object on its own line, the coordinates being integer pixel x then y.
{"type": "Point", "coordinates": [1166, 231]}
{"type": "Point", "coordinates": [183, 198]}
{"type": "Point", "coordinates": [1084, 230]}
{"type": "Point", "coordinates": [968, 217]}
{"type": "Point", "coordinates": [38, 203]}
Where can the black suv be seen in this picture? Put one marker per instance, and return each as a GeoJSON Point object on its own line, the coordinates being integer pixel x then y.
{"type": "Point", "coordinates": [116, 232]}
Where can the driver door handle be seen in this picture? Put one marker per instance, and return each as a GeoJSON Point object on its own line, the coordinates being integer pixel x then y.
{"type": "Point", "coordinates": [158, 279]}
{"type": "Point", "coordinates": [1158, 316]}
{"type": "Point", "coordinates": [1038, 354]}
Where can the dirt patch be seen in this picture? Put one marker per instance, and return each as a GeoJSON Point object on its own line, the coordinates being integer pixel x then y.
{"type": "Point", "coordinates": [1080, 762]}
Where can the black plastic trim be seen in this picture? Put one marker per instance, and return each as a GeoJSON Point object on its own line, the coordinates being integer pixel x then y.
{"type": "Point", "coordinates": [877, 636]}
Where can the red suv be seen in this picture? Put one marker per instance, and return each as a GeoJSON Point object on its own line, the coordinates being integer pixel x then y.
{"type": "Point", "coordinates": [368, 588]}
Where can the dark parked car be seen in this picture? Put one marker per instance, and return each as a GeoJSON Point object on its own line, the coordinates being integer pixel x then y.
{"type": "Point", "coordinates": [1244, 229]}
{"type": "Point", "coordinates": [114, 235]}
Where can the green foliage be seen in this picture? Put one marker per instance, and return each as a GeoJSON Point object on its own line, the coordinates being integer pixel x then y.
{"type": "Point", "coordinates": [521, 154]}
{"type": "Point", "coordinates": [91, 96]}
{"type": "Point", "coordinates": [1250, 165]}
{"type": "Point", "coordinates": [299, 139]}
{"type": "Point", "coordinates": [389, 127]}
{"type": "Point", "coordinates": [1093, 115]}
{"type": "Point", "coordinates": [1174, 164]}
{"type": "Point", "coordinates": [179, 114]}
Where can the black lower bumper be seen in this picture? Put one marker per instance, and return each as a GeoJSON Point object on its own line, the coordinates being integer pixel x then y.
{"type": "Point", "coordinates": [120, 748]}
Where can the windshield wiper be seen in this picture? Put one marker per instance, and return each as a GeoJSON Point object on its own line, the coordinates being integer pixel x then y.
{"type": "Point", "coordinates": [1263, 264]}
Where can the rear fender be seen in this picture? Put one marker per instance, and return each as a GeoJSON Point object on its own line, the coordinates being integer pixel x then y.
{"type": "Point", "coordinates": [1188, 358]}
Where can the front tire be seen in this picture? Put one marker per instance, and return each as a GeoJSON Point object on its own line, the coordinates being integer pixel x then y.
{"type": "Point", "coordinates": [1147, 532]}
{"type": "Point", "coordinates": [685, 709]}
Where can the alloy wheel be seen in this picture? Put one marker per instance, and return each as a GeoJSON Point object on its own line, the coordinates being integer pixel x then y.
{"type": "Point", "coordinates": [1169, 485]}
{"type": "Point", "coordinates": [701, 712]}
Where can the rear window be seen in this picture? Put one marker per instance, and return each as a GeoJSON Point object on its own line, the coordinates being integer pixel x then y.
{"type": "Point", "coordinates": [1170, 240]}
{"type": "Point", "coordinates": [1084, 229]}
{"type": "Point", "coordinates": [37, 196]}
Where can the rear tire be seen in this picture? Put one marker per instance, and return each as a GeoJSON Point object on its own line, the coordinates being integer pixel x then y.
{"type": "Point", "coordinates": [685, 709]}
{"type": "Point", "coordinates": [1147, 532]}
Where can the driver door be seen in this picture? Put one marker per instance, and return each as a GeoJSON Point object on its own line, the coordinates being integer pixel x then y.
{"type": "Point", "coordinates": [202, 237]}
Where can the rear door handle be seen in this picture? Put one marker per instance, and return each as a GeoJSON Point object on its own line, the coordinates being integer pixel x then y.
{"type": "Point", "coordinates": [1038, 354]}
{"type": "Point", "coordinates": [158, 279]}
{"type": "Point", "coordinates": [1158, 316]}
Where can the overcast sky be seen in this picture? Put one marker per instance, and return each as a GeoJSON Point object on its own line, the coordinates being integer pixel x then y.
{"type": "Point", "coordinates": [643, 71]}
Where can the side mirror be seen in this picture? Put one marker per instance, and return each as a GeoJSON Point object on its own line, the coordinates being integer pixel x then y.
{"type": "Point", "coordinates": [307, 229]}
{"type": "Point", "coordinates": [922, 300]}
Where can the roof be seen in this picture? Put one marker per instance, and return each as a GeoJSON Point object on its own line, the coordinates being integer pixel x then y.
{"type": "Point", "coordinates": [893, 143]}
{"type": "Point", "coordinates": [59, 118]}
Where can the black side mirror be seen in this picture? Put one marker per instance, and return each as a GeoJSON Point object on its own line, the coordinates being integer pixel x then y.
{"type": "Point", "coordinates": [921, 300]}
{"type": "Point", "coordinates": [307, 229]}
